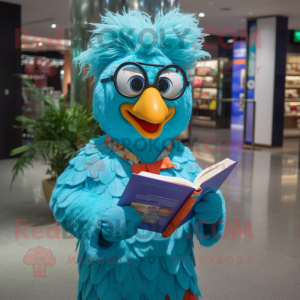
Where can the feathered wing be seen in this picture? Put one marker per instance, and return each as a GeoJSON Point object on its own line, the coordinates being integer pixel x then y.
{"type": "Point", "coordinates": [145, 266]}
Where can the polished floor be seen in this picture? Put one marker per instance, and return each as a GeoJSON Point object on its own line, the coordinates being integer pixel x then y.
{"type": "Point", "coordinates": [259, 258]}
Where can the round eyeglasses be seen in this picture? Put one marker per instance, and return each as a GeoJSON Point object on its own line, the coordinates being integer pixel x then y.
{"type": "Point", "coordinates": [131, 79]}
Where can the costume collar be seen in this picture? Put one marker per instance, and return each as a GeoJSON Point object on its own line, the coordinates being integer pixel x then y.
{"type": "Point", "coordinates": [132, 159]}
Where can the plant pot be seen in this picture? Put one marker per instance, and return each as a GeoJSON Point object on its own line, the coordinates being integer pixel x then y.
{"type": "Point", "coordinates": [48, 187]}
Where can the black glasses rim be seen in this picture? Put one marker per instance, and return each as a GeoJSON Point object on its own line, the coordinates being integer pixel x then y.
{"type": "Point", "coordinates": [147, 85]}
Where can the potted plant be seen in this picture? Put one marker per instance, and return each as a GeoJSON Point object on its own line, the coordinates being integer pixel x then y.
{"type": "Point", "coordinates": [55, 136]}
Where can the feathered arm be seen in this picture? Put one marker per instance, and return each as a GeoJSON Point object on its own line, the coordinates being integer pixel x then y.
{"type": "Point", "coordinates": [210, 217]}
{"type": "Point", "coordinates": [80, 213]}
{"type": "Point", "coordinates": [92, 218]}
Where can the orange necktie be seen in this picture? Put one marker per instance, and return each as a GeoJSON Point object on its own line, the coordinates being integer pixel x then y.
{"type": "Point", "coordinates": [155, 167]}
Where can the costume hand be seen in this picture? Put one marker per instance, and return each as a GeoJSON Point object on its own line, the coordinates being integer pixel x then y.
{"type": "Point", "coordinates": [209, 209]}
{"type": "Point", "coordinates": [120, 223]}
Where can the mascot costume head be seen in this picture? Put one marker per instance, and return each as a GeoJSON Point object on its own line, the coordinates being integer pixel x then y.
{"type": "Point", "coordinates": [126, 108]}
{"type": "Point", "coordinates": [142, 99]}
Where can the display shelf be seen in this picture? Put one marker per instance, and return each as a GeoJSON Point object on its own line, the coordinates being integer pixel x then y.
{"type": "Point", "coordinates": [210, 99]}
{"type": "Point", "coordinates": [292, 86]}
{"type": "Point", "coordinates": [292, 73]}
{"type": "Point", "coordinates": [204, 112]}
{"type": "Point", "coordinates": [207, 86]}
{"type": "Point", "coordinates": [292, 100]}
{"type": "Point", "coordinates": [292, 114]}
{"type": "Point", "coordinates": [207, 75]}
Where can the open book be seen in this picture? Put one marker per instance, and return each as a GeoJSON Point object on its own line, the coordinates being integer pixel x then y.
{"type": "Point", "coordinates": [166, 202]}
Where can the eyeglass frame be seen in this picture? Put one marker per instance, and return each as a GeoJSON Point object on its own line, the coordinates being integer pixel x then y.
{"type": "Point", "coordinates": [147, 85]}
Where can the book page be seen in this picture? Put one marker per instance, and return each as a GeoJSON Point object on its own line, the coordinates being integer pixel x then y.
{"type": "Point", "coordinates": [212, 171]}
{"type": "Point", "coordinates": [177, 180]}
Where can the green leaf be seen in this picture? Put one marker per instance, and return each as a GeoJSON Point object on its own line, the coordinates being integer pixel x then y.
{"type": "Point", "coordinates": [19, 150]}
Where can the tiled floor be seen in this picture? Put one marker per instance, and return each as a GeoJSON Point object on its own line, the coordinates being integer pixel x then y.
{"type": "Point", "coordinates": [262, 196]}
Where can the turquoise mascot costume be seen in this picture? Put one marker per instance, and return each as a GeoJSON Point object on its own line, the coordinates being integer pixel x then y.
{"type": "Point", "coordinates": [142, 99]}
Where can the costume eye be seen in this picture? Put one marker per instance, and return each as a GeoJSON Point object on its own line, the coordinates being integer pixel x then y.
{"type": "Point", "coordinates": [170, 83]}
{"type": "Point", "coordinates": [163, 84]}
{"type": "Point", "coordinates": [130, 81]}
{"type": "Point", "coordinates": [137, 84]}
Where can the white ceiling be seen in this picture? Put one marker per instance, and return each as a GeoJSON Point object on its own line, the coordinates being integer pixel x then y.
{"type": "Point", "coordinates": [38, 15]}
{"type": "Point", "coordinates": [43, 13]}
{"type": "Point", "coordinates": [241, 10]}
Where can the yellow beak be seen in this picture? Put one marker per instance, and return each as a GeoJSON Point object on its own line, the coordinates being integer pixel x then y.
{"type": "Point", "coordinates": [149, 114]}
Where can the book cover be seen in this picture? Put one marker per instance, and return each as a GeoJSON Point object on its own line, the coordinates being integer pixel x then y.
{"type": "Point", "coordinates": [155, 200]}
{"type": "Point", "coordinates": [159, 201]}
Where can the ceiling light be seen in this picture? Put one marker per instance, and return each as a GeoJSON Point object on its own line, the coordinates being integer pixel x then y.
{"type": "Point", "coordinates": [53, 25]}
{"type": "Point", "coordinates": [211, 3]}
{"type": "Point", "coordinates": [40, 44]}
{"type": "Point", "coordinates": [201, 15]}
{"type": "Point", "coordinates": [250, 13]}
{"type": "Point", "coordinates": [62, 72]}
{"type": "Point", "coordinates": [230, 41]}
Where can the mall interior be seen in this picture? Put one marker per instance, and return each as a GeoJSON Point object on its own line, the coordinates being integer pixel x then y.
{"type": "Point", "coordinates": [245, 107]}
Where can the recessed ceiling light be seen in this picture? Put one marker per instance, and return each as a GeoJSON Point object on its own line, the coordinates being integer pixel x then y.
{"type": "Point", "coordinates": [53, 25]}
{"type": "Point", "coordinates": [201, 15]}
{"type": "Point", "coordinates": [225, 8]}
{"type": "Point", "coordinates": [250, 13]}
{"type": "Point", "coordinates": [211, 3]}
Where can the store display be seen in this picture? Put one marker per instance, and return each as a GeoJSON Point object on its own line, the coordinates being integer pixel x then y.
{"type": "Point", "coordinates": [197, 103]}
{"type": "Point", "coordinates": [204, 104]}
{"type": "Point", "coordinates": [206, 84]}
{"type": "Point", "coordinates": [209, 93]}
{"type": "Point", "coordinates": [293, 65]}
{"type": "Point", "coordinates": [197, 93]}
{"type": "Point", "coordinates": [209, 82]}
{"type": "Point", "coordinates": [293, 107]}
{"type": "Point", "coordinates": [292, 91]}
{"type": "Point", "coordinates": [287, 108]}
{"type": "Point", "coordinates": [213, 105]}
{"type": "Point", "coordinates": [292, 81]}
{"type": "Point", "coordinates": [197, 82]}
{"type": "Point", "coordinates": [207, 68]}
{"type": "Point", "coordinates": [291, 94]}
